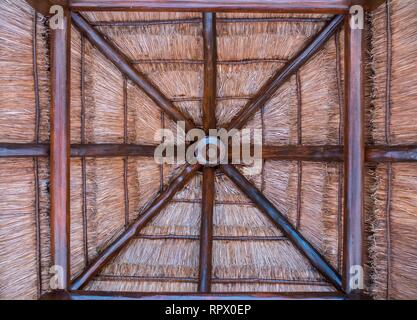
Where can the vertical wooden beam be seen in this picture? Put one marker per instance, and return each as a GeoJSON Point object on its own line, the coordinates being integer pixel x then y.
{"type": "Point", "coordinates": [354, 160]}
{"type": "Point", "coordinates": [209, 122]}
{"type": "Point", "coordinates": [210, 71]}
{"type": "Point", "coordinates": [60, 150]}
{"type": "Point", "coordinates": [206, 233]}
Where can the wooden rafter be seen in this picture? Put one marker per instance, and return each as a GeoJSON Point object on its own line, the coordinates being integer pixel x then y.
{"type": "Point", "coordinates": [60, 150]}
{"type": "Point", "coordinates": [256, 196]}
{"type": "Point", "coordinates": [292, 6]}
{"type": "Point", "coordinates": [327, 153]}
{"type": "Point", "coordinates": [116, 246]}
{"type": "Point", "coordinates": [209, 122]}
{"type": "Point", "coordinates": [276, 81]}
{"type": "Point", "coordinates": [123, 64]}
{"type": "Point", "coordinates": [354, 176]}
{"type": "Point", "coordinates": [97, 295]}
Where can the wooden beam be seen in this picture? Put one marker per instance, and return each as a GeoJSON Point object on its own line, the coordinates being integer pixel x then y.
{"type": "Point", "coordinates": [60, 150]}
{"type": "Point", "coordinates": [123, 64]}
{"type": "Point", "coordinates": [289, 6]}
{"type": "Point", "coordinates": [206, 234]}
{"type": "Point", "coordinates": [315, 258]}
{"type": "Point", "coordinates": [276, 81]}
{"type": "Point", "coordinates": [157, 205]}
{"type": "Point", "coordinates": [209, 122]}
{"type": "Point", "coordinates": [210, 71]}
{"type": "Point", "coordinates": [303, 153]}
{"type": "Point", "coordinates": [392, 154]}
{"type": "Point", "coordinates": [23, 150]}
{"type": "Point", "coordinates": [112, 150]}
{"type": "Point", "coordinates": [328, 153]}
{"type": "Point", "coordinates": [354, 158]}
{"type": "Point", "coordinates": [97, 295]}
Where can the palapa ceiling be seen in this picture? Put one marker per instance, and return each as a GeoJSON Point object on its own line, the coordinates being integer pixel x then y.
{"type": "Point", "coordinates": [111, 196]}
{"type": "Point", "coordinates": [249, 253]}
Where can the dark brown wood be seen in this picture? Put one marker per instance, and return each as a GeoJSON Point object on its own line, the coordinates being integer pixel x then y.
{"type": "Point", "coordinates": [209, 122]}
{"type": "Point", "coordinates": [316, 6]}
{"type": "Point", "coordinates": [392, 154]}
{"type": "Point", "coordinates": [315, 258]}
{"type": "Point", "coordinates": [112, 150]}
{"type": "Point", "coordinates": [60, 150]}
{"type": "Point", "coordinates": [374, 154]}
{"type": "Point", "coordinates": [123, 64]}
{"type": "Point", "coordinates": [210, 71]}
{"type": "Point", "coordinates": [157, 205]}
{"type": "Point", "coordinates": [303, 153]}
{"type": "Point", "coordinates": [206, 234]}
{"type": "Point", "coordinates": [270, 87]}
{"type": "Point", "coordinates": [354, 156]}
{"type": "Point", "coordinates": [98, 295]}
{"type": "Point", "coordinates": [23, 150]}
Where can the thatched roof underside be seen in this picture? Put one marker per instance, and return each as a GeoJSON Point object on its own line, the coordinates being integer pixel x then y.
{"type": "Point", "coordinates": [164, 256]}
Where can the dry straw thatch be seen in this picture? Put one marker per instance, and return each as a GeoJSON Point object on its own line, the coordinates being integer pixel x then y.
{"type": "Point", "coordinates": [107, 194]}
{"type": "Point", "coordinates": [392, 218]}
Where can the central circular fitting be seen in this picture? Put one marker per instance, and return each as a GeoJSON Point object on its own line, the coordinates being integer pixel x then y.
{"type": "Point", "coordinates": [210, 151]}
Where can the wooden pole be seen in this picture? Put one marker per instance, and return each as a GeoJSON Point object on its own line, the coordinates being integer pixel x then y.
{"type": "Point", "coordinates": [354, 161]}
{"type": "Point", "coordinates": [60, 150]}
{"type": "Point", "coordinates": [96, 295]}
{"type": "Point", "coordinates": [287, 6]}
{"type": "Point", "coordinates": [209, 122]}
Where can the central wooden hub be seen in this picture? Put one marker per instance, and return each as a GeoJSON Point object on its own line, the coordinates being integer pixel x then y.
{"type": "Point", "coordinates": [210, 151]}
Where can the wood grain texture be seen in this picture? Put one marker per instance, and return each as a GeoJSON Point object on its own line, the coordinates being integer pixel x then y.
{"type": "Point", "coordinates": [354, 157]}
{"type": "Point", "coordinates": [60, 150]}
{"type": "Point", "coordinates": [319, 6]}
{"type": "Point", "coordinates": [206, 234]}
{"type": "Point", "coordinates": [87, 295]}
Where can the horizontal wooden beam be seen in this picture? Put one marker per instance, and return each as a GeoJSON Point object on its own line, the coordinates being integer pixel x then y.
{"type": "Point", "coordinates": [392, 154]}
{"type": "Point", "coordinates": [303, 153]}
{"type": "Point", "coordinates": [23, 150]}
{"type": "Point", "coordinates": [374, 154]}
{"type": "Point", "coordinates": [112, 150]}
{"type": "Point", "coordinates": [319, 6]}
{"type": "Point", "coordinates": [280, 77]}
{"type": "Point", "coordinates": [16, 150]}
{"type": "Point", "coordinates": [304, 246]}
{"type": "Point", "coordinates": [116, 246]}
{"type": "Point", "coordinates": [123, 64]}
{"type": "Point", "coordinates": [97, 295]}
